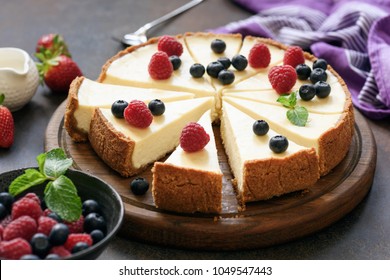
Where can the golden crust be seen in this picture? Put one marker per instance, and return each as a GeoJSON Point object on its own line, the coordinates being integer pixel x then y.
{"type": "Point", "coordinates": [113, 147]}
{"type": "Point", "coordinates": [186, 190]}
{"type": "Point", "coordinates": [70, 121]}
{"type": "Point", "coordinates": [264, 179]}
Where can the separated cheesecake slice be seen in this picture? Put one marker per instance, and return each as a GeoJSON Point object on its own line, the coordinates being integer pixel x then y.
{"type": "Point", "coordinates": [130, 67]}
{"type": "Point", "coordinates": [128, 149]}
{"type": "Point", "coordinates": [330, 134]}
{"type": "Point", "coordinates": [190, 182]}
{"type": "Point", "coordinates": [259, 172]}
{"type": "Point", "coordinates": [86, 95]}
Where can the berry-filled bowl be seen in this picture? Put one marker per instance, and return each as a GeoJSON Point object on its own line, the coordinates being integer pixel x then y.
{"type": "Point", "coordinates": [31, 229]}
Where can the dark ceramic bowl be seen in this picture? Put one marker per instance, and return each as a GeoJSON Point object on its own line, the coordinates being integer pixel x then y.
{"type": "Point", "coordinates": [88, 187]}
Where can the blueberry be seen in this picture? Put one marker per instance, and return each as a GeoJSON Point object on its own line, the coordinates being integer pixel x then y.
{"type": "Point", "coordinates": [7, 200]}
{"type": "Point", "coordinates": [318, 74]}
{"type": "Point", "coordinates": [214, 68]}
{"type": "Point", "coordinates": [55, 216]}
{"type": "Point", "coordinates": [58, 234]}
{"type": "Point", "coordinates": [40, 244]}
{"type": "Point", "coordinates": [139, 186]}
{"type": "Point", "coordinates": [197, 70]}
{"type": "Point", "coordinates": [218, 46]}
{"type": "Point", "coordinates": [307, 92]}
{"type": "Point", "coordinates": [239, 62]}
{"type": "Point", "coordinates": [29, 257]}
{"type": "Point", "coordinates": [3, 211]}
{"type": "Point", "coordinates": [303, 71]}
{"type": "Point", "coordinates": [97, 235]}
{"type": "Point", "coordinates": [94, 221]}
{"type": "Point", "coordinates": [225, 62]}
{"type": "Point", "coordinates": [118, 107]}
{"type": "Point", "coordinates": [260, 127]}
{"type": "Point", "coordinates": [322, 89]}
{"type": "Point", "coordinates": [156, 107]}
{"type": "Point", "coordinates": [52, 257]}
{"type": "Point", "coordinates": [226, 77]}
{"type": "Point", "coordinates": [90, 206]}
{"type": "Point", "coordinates": [79, 246]}
{"type": "Point", "coordinates": [176, 61]}
{"type": "Point", "coordinates": [278, 144]}
{"type": "Point", "coordinates": [320, 63]}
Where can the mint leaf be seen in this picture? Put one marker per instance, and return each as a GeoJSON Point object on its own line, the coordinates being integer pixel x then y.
{"type": "Point", "coordinates": [293, 99]}
{"type": "Point", "coordinates": [61, 197]}
{"type": "Point", "coordinates": [298, 116]}
{"type": "Point", "coordinates": [284, 100]}
{"type": "Point", "coordinates": [41, 161]}
{"type": "Point", "coordinates": [30, 178]}
{"type": "Point", "coordinates": [56, 163]}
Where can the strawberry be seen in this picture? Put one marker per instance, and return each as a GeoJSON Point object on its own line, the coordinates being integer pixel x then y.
{"type": "Point", "coordinates": [293, 56]}
{"type": "Point", "coordinates": [160, 67]}
{"type": "Point", "coordinates": [74, 238]}
{"type": "Point", "coordinates": [259, 56]}
{"type": "Point", "coordinates": [282, 78]}
{"type": "Point", "coordinates": [24, 227]}
{"type": "Point", "coordinates": [58, 72]}
{"type": "Point", "coordinates": [138, 114]}
{"type": "Point", "coordinates": [170, 45]}
{"type": "Point", "coordinates": [14, 249]}
{"type": "Point", "coordinates": [26, 206]}
{"type": "Point", "coordinates": [52, 45]}
{"type": "Point", "coordinates": [6, 125]}
{"type": "Point", "coordinates": [193, 137]}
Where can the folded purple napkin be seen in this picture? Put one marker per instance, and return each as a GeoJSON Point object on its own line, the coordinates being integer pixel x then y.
{"type": "Point", "coordinates": [353, 36]}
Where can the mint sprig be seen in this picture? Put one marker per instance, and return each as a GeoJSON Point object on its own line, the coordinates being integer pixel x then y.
{"type": "Point", "coordinates": [60, 193]}
{"type": "Point", "coordinates": [297, 115]}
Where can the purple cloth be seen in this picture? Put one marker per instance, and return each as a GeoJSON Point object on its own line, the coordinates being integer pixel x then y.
{"type": "Point", "coordinates": [353, 36]}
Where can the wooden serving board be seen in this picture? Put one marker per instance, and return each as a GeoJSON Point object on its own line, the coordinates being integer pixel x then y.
{"type": "Point", "coordinates": [262, 223]}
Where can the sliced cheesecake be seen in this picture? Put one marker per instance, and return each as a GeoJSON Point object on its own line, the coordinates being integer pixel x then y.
{"type": "Point", "coordinates": [130, 67]}
{"type": "Point", "coordinates": [190, 182]}
{"type": "Point", "coordinates": [329, 134]}
{"type": "Point", "coordinates": [128, 149]}
{"type": "Point", "coordinates": [86, 95]}
{"type": "Point", "coordinates": [259, 172]}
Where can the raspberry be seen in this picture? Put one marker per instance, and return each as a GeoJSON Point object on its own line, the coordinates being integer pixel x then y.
{"type": "Point", "coordinates": [14, 249]}
{"type": "Point", "coordinates": [34, 197]}
{"type": "Point", "coordinates": [6, 221]}
{"type": "Point", "coordinates": [193, 137]}
{"type": "Point", "coordinates": [26, 206]}
{"type": "Point", "coordinates": [1, 232]}
{"type": "Point", "coordinates": [76, 226]}
{"type": "Point", "coordinates": [138, 114]}
{"type": "Point", "coordinates": [170, 45]}
{"type": "Point", "coordinates": [293, 56]}
{"type": "Point", "coordinates": [74, 238]}
{"type": "Point", "coordinates": [259, 56]}
{"type": "Point", "coordinates": [46, 212]}
{"type": "Point", "coordinates": [45, 225]}
{"type": "Point", "coordinates": [60, 251]}
{"type": "Point", "coordinates": [282, 78]}
{"type": "Point", "coordinates": [24, 227]}
{"type": "Point", "coordinates": [160, 67]}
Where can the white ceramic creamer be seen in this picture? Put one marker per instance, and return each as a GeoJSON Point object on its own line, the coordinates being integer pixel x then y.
{"type": "Point", "coordinates": [19, 77]}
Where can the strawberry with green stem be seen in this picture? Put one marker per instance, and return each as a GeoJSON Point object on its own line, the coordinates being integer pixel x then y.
{"type": "Point", "coordinates": [6, 125]}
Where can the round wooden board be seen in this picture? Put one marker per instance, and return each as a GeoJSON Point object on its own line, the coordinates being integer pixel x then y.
{"type": "Point", "coordinates": [262, 223]}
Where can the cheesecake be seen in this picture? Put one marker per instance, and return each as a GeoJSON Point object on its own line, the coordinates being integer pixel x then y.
{"type": "Point", "coordinates": [259, 172]}
{"type": "Point", "coordinates": [329, 134]}
{"type": "Point", "coordinates": [190, 182]}
{"type": "Point", "coordinates": [86, 95]}
{"type": "Point", "coordinates": [128, 149]}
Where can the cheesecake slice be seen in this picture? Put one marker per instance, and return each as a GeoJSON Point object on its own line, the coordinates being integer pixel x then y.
{"type": "Point", "coordinates": [190, 182]}
{"type": "Point", "coordinates": [128, 149]}
{"type": "Point", "coordinates": [259, 172]}
{"type": "Point", "coordinates": [329, 134]}
{"type": "Point", "coordinates": [130, 67]}
{"type": "Point", "coordinates": [86, 95]}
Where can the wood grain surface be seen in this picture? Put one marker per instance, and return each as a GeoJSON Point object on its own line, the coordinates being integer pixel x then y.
{"type": "Point", "coordinates": [262, 224]}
